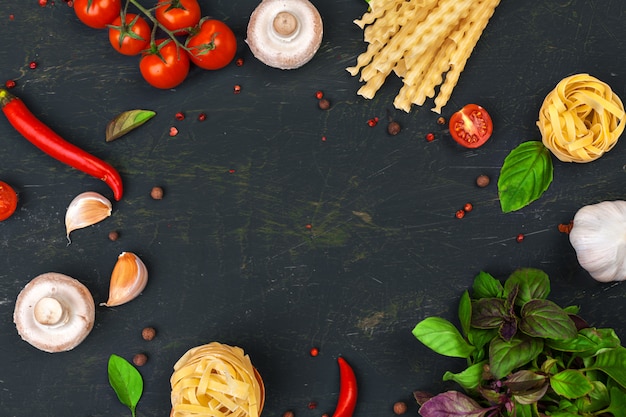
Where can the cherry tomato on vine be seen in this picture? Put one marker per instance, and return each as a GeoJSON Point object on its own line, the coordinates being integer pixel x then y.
{"type": "Point", "coordinates": [97, 13]}
{"type": "Point", "coordinates": [178, 15]}
{"type": "Point", "coordinates": [471, 126]}
{"type": "Point", "coordinates": [164, 65]}
{"type": "Point", "coordinates": [8, 201]}
{"type": "Point", "coordinates": [132, 37]}
{"type": "Point", "coordinates": [212, 45]}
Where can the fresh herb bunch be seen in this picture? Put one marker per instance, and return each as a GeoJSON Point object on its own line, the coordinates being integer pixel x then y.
{"type": "Point", "coordinates": [527, 357]}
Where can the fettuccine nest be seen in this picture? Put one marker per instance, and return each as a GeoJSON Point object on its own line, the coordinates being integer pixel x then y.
{"type": "Point", "coordinates": [581, 119]}
{"type": "Point", "coordinates": [216, 380]}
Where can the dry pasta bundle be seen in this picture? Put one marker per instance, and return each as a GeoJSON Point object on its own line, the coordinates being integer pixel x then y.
{"type": "Point", "coordinates": [216, 380]}
{"type": "Point", "coordinates": [581, 119]}
{"type": "Point", "coordinates": [425, 42]}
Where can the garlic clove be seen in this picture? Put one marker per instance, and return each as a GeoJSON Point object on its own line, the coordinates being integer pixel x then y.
{"type": "Point", "coordinates": [128, 279]}
{"type": "Point", "coordinates": [86, 209]}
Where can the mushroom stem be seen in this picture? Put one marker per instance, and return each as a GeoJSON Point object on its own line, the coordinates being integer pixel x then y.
{"type": "Point", "coordinates": [285, 24]}
{"type": "Point", "coordinates": [49, 311]}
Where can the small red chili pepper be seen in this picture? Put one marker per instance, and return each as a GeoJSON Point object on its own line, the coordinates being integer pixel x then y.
{"type": "Point", "coordinates": [347, 390]}
{"type": "Point", "coordinates": [40, 135]}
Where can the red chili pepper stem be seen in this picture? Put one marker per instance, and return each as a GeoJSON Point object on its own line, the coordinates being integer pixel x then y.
{"type": "Point", "coordinates": [347, 390]}
{"type": "Point", "coordinates": [48, 141]}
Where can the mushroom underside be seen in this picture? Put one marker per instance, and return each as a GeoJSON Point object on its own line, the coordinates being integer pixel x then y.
{"type": "Point", "coordinates": [54, 312]}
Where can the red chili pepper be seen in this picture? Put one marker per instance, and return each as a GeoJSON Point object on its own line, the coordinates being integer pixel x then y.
{"type": "Point", "coordinates": [347, 390]}
{"type": "Point", "coordinates": [40, 135]}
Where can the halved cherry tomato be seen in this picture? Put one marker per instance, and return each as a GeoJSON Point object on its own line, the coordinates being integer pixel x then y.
{"type": "Point", "coordinates": [132, 37]}
{"type": "Point", "coordinates": [212, 45]}
{"type": "Point", "coordinates": [165, 65]}
{"type": "Point", "coordinates": [97, 13]}
{"type": "Point", "coordinates": [471, 126]}
{"type": "Point", "coordinates": [178, 15]}
{"type": "Point", "coordinates": [8, 201]}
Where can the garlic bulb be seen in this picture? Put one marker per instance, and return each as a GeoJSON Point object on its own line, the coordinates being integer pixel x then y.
{"type": "Point", "coordinates": [86, 209]}
{"type": "Point", "coordinates": [128, 279]}
{"type": "Point", "coordinates": [599, 239]}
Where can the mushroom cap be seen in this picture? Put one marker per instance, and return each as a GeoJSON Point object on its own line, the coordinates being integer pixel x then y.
{"type": "Point", "coordinates": [54, 312]}
{"type": "Point", "coordinates": [284, 34]}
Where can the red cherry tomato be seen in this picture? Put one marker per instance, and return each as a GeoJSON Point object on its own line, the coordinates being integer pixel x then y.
{"type": "Point", "coordinates": [132, 37]}
{"type": "Point", "coordinates": [471, 126]}
{"type": "Point", "coordinates": [8, 201]}
{"type": "Point", "coordinates": [165, 65]}
{"type": "Point", "coordinates": [213, 45]}
{"type": "Point", "coordinates": [178, 15]}
{"type": "Point", "coordinates": [97, 13]}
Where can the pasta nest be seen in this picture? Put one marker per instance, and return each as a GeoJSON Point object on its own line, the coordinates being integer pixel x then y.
{"type": "Point", "coordinates": [581, 119]}
{"type": "Point", "coordinates": [216, 380]}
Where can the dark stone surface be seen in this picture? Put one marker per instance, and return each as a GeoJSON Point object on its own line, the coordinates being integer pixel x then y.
{"type": "Point", "coordinates": [230, 256]}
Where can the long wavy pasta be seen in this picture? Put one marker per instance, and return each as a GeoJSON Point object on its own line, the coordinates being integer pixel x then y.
{"type": "Point", "coordinates": [425, 42]}
{"type": "Point", "coordinates": [581, 119]}
{"type": "Point", "coordinates": [216, 380]}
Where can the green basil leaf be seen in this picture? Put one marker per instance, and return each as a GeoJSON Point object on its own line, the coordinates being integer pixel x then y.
{"type": "Point", "coordinates": [479, 338]}
{"type": "Point", "coordinates": [543, 318]}
{"type": "Point", "coordinates": [618, 403]}
{"type": "Point", "coordinates": [571, 384]}
{"type": "Point", "coordinates": [588, 342]}
{"type": "Point", "coordinates": [442, 337]}
{"type": "Point", "coordinates": [465, 312]}
{"type": "Point", "coordinates": [532, 283]}
{"type": "Point", "coordinates": [470, 378]}
{"type": "Point", "coordinates": [525, 175]}
{"type": "Point", "coordinates": [613, 363]}
{"type": "Point", "coordinates": [524, 410]}
{"type": "Point", "coordinates": [505, 356]}
{"type": "Point", "coordinates": [125, 122]}
{"type": "Point", "coordinates": [486, 286]}
{"type": "Point", "coordinates": [597, 400]}
{"type": "Point", "coordinates": [126, 381]}
{"type": "Point", "coordinates": [489, 313]}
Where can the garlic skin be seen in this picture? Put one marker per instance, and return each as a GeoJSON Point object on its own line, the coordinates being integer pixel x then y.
{"type": "Point", "coordinates": [86, 209]}
{"type": "Point", "coordinates": [599, 239]}
{"type": "Point", "coordinates": [128, 279]}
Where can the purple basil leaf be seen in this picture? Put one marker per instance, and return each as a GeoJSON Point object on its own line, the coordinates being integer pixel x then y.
{"type": "Point", "coordinates": [508, 328]}
{"type": "Point", "coordinates": [488, 313]}
{"type": "Point", "coordinates": [422, 396]}
{"type": "Point", "coordinates": [533, 283]}
{"type": "Point", "coordinates": [451, 404]}
{"type": "Point", "coordinates": [543, 318]}
{"type": "Point", "coordinates": [510, 299]}
{"type": "Point", "coordinates": [525, 381]}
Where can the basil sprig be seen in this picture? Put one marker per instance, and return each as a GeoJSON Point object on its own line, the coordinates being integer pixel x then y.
{"type": "Point", "coordinates": [526, 356]}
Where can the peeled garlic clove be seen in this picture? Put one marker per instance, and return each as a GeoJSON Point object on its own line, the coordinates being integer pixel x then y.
{"type": "Point", "coordinates": [128, 279]}
{"type": "Point", "coordinates": [86, 209]}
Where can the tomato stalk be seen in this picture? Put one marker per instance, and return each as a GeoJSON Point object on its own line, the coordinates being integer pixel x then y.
{"type": "Point", "coordinates": [156, 23]}
{"type": "Point", "coordinates": [48, 141]}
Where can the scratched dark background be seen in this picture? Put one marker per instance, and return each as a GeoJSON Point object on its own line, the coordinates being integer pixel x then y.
{"type": "Point", "coordinates": [228, 250]}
